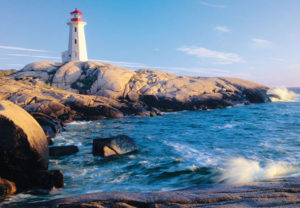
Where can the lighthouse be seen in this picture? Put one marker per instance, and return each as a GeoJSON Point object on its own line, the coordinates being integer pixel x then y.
{"type": "Point", "coordinates": [77, 44]}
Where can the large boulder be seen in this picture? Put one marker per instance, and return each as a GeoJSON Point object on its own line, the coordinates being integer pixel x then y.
{"type": "Point", "coordinates": [23, 144]}
{"type": "Point", "coordinates": [41, 70]}
{"type": "Point", "coordinates": [24, 150]}
{"type": "Point", "coordinates": [114, 146]}
{"type": "Point", "coordinates": [66, 75]}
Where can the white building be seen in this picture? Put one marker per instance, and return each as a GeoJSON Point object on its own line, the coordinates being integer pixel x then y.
{"type": "Point", "coordinates": [77, 44]}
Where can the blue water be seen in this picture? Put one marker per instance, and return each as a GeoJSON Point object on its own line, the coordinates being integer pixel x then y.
{"type": "Point", "coordinates": [182, 149]}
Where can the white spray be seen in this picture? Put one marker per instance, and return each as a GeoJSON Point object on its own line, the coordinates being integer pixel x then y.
{"type": "Point", "coordinates": [281, 94]}
{"type": "Point", "coordinates": [241, 170]}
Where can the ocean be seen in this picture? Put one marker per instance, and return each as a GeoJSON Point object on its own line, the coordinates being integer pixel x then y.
{"type": "Point", "coordinates": [183, 149]}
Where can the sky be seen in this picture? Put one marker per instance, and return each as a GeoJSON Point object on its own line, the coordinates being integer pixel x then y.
{"type": "Point", "coordinates": [258, 40]}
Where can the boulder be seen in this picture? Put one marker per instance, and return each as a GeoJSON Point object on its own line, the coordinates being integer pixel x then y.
{"type": "Point", "coordinates": [114, 146]}
{"type": "Point", "coordinates": [63, 150]}
{"type": "Point", "coordinates": [23, 144]}
{"type": "Point", "coordinates": [66, 75]}
{"type": "Point", "coordinates": [7, 187]}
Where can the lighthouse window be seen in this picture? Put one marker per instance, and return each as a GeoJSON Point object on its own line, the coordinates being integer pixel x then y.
{"type": "Point", "coordinates": [75, 29]}
{"type": "Point", "coordinates": [75, 41]}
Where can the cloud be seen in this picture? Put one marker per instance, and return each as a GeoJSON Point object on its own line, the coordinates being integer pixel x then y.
{"type": "Point", "coordinates": [294, 66]}
{"type": "Point", "coordinates": [171, 69]}
{"type": "Point", "coordinates": [277, 59]}
{"type": "Point", "coordinates": [34, 56]}
{"type": "Point", "coordinates": [219, 57]}
{"type": "Point", "coordinates": [21, 49]}
{"type": "Point", "coordinates": [212, 5]}
{"type": "Point", "coordinates": [260, 42]}
{"type": "Point", "coordinates": [122, 63]}
{"type": "Point", "coordinates": [15, 65]}
{"type": "Point", "coordinates": [222, 29]}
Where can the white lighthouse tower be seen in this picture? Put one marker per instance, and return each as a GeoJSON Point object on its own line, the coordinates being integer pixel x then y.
{"type": "Point", "coordinates": [77, 44]}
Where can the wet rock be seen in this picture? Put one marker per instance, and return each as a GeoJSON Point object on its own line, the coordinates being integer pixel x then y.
{"type": "Point", "coordinates": [86, 112]}
{"type": "Point", "coordinates": [43, 179]}
{"type": "Point", "coordinates": [155, 112]}
{"type": "Point", "coordinates": [23, 144]}
{"type": "Point", "coordinates": [63, 150]}
{"type": "Point", "coordinates": [7, 187]}
{"type": "Point", "coordinates": [283, 192]}
{"type": "Point", "coordinates": [114, 146]}
{"type": "Point", "coordinates": [50, 141]}
{"type": "Point", "coordinates": [51, 126]}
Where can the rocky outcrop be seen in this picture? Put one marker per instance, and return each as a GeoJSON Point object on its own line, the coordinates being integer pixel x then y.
{"type": "Point", "coordinates": [273, 193]}
{"type": "Point", "coordinates": [114, 146]}
{"type": "Point", "coordinates": [111, 91]}
{"type": "Point", "coordinates": [24, 150]}
{"type": "Point", "coordinates": [63, 150]}
{"type": "Point", "coordinates": [116, 82]}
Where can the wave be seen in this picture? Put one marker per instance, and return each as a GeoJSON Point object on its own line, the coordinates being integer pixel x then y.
{"type": "Point", "coordinates": [80, 123]}
{"type": "Point", "coordinates": [241, 170]}
{"type": "Point", "coordinates": [281, 94]}
{"type": "Point", "coordinates": [198, 157]}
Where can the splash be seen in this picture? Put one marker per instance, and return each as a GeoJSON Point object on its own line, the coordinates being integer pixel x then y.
{"type": "Point", "coordinates": [241, 170]}
{"type": "Point", "coordinates": [281, 94]}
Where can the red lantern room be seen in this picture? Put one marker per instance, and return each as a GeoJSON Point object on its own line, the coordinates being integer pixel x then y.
{"type": "Point", "coordinates": [76, 15]}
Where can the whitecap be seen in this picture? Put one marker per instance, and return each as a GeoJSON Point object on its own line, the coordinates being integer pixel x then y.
{"type": "Point", "coordinates": [193, 168]}
{"type": "Point", "coordinates": [241, 170]}
{"type": "Point", "coordinates": [79, 122]}
{"type": "Point", "coordinates": [188, 153]}
{"type": "Point", "coordinates": [281, 94]}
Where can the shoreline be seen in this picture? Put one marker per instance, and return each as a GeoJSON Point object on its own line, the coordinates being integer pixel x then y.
{"type": "Point", "coordinates": [276, 192]}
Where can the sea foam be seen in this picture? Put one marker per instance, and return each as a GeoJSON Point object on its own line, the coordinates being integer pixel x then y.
{"type": "Point", "coordinates": [281, 94]}
{"type": "Point", "coordinates": [241, 170]}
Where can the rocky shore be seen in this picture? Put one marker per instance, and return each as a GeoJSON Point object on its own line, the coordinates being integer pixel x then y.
{"type": "Point", "coordinates": [283, 192]}
{"type": "Point", "coordinates": [90, 90]}
{"type": "Point", "coordinates": [55, 94]}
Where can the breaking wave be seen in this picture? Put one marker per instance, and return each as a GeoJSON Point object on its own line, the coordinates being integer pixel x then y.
{"type": "Point", "coordinates": [281, 94]}
{"type": "Point", "coordinates": [241, 170]}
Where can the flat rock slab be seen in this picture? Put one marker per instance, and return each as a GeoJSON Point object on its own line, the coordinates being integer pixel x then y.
{"type": "Point", "coordinates": [63, 150]}
{"type": "Point", "coordinates": [273, 193]}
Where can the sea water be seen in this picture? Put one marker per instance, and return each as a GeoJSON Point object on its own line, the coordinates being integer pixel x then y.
{"type": "Point", "coordinates": [182, 149]}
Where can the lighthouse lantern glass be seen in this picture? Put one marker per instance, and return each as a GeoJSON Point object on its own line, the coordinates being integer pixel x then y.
{"type": "Point", "coordinates": [76, 16]}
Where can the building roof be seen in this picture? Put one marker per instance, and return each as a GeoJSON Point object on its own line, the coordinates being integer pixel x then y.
{"type": "Point", "coordinates": [76, 11]}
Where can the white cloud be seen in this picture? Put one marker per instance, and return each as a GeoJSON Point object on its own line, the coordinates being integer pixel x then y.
{"type": "Point", "coordinates": [204, 3]}
{"type": "Point", "coordinates": [21, 49]}
{"type": "Point", "coordinates": [222, 29]}
{"type": "Point", "coordinates": [260, 42]}
{"type": "Point", "coordinates": [122, 63]}
{"type": "Point", "coordinates": [277, 59]}
{"type": "Point", "coordinates": [180, 70]}
{"type": "Point", "coordinates": [294, 66]}
{"type": "Point", "coordinates": [34, 56]}
{"type": "Point", "coordinates": [15, 65]}
{"type": "Point", "coordinates": [219, 57]}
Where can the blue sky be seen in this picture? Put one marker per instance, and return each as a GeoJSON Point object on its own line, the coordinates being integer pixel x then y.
{"type": "Point", "coordinates": [257, 40]}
